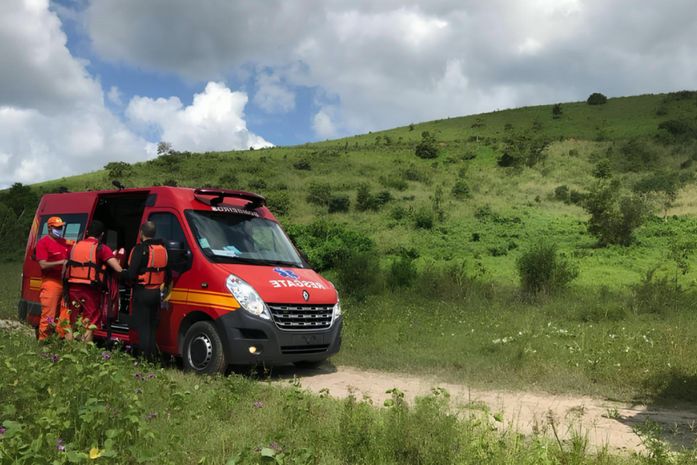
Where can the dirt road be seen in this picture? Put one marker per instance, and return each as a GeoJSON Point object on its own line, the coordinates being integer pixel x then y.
{"type": "Point", "coordinates": [603, 422]}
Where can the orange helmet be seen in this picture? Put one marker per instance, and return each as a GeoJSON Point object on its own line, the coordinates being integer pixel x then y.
{"type": "Point", "coordinates": [55, 222]}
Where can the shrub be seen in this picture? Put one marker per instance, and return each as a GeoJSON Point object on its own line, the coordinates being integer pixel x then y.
{"type": "Point", "coordinates": [424, 218]}
{"type": "Point", "coordinates": [561, 193]}
{"type": "Point", "coordinates": [614, 217]}
{"type": "Point", "coordinates": [359, 274]}
{"type": "Point", "coordinates": [339, 203]}
{"type": "Point", "coordinates": [602, 169]}
{"type": "Point", "coordinates": [398, 213]}
{"type": "Point", "coordinates": [319, 194]}
{"type": "Point", "coordinates": [412, 173]}
{"type": "Point", "coordinates": [257, 184]}
{"type": "Point", "coordinates": [637, 155]}
{"type": "Point", "coordinates": [556, 111]}
{"type": "Point", "coordinates": [367, 201]}
{"type": "Point", "coordinates": [542, 270]}
{"type": "Point", "coordinates": [427, 148]}
{"type": "Point", "coordinates": [677, 130]}
{"type": "Point", "coordinates": [278, 202]}
{"type": "Point", "coordinates": [576, 197]}
{"type": "Point", "coordinates": [327, 243]}
{"type": "Point", "coordinates": [118, 169]}
{"type": "Point", "coordinates": [170, 182]}
{"type": "Point", "coordinates": [522, 150]}
{"type": "Point", "coordinates": [460, 190]}
{"type": "Point", "coordinates": [402, 272]}
{"type": "Point", "coordinates": [302, 165]}
{"type": "Point", "coordinates": [654, 294]}
{"type": "Point", "coordinates": [596, 98]}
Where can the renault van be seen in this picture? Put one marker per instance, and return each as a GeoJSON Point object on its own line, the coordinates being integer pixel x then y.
{"type": "Point", "coordinates": [241, 292]}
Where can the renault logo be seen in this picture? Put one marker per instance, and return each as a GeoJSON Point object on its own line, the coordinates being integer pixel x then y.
{"type": "Point", "coordinates": [306, 296]}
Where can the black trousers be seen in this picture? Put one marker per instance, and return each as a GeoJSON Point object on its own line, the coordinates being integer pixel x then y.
{"type": "Point", "coordinates": [146, 309]}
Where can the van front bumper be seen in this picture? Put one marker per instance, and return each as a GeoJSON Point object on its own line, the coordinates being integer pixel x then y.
{"type": "Point", "coordinates": [241, 331]}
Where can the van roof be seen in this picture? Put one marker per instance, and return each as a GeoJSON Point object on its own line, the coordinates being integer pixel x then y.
{"type": "Point", "coordinates": [181, 198]}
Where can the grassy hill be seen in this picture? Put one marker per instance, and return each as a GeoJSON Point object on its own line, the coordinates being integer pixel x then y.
{"type": "Point", "coordinates": [481, 212]}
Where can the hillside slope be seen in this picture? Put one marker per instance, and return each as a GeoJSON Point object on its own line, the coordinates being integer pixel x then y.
{"type": "Point", "coordinates": [480, 212]}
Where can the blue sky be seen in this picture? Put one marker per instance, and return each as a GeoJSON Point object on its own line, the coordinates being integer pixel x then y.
{"type": "Point", "coordinates": [86, 82]}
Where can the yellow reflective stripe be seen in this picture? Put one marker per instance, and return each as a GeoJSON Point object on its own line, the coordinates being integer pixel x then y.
{"type": "Point", "coordinates": [204, 298]}
{"type": "Point", "coordinates": [34, 284]}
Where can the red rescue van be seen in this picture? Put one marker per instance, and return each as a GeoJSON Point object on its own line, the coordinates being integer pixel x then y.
{"type": "Point", "coordinates": [241, 292]}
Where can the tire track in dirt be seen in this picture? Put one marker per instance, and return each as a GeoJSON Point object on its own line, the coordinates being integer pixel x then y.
{"type": "Point", "coordinates": [604, 423]}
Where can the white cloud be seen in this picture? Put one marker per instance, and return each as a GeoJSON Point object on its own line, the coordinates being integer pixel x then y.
{"type": "Point", "coordinates": [323, 125]}
{"type": "Point", "coordinates": [386, 62]}
{"type": "Point", "coordinates": [52, 117]}
{"type": "Point", "coordinates": [272, 95]}
{"type": "Point", "coordinates": [214, 121]}
{"type": "Point", "coordinates": [114, 96]}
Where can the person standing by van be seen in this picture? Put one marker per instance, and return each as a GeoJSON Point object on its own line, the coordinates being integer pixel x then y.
{"type": "Point", "coordinates": [52, 253]}
{"type": "Point", "coordinates": [84, 275]}
{"type": "Point", "coordinates": [148, 273]}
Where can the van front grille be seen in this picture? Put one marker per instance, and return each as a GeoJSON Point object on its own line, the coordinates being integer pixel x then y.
{"type": "Point", "coordinates": [301, 317]}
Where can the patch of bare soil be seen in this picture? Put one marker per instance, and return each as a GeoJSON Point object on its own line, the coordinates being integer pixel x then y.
{"type": "Point", "coordinates": [602, 422]}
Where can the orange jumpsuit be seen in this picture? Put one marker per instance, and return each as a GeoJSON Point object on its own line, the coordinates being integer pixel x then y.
{"type": "Point", "coordinates": [51, 249]}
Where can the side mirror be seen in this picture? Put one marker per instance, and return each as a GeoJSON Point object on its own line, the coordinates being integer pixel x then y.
{"type": "Point", "coordinates": [179, 256]}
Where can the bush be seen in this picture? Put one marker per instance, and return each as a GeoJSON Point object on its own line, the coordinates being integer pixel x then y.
{"type": "Point", "coordinates": [359, 274]}
{"type": "Point", "coordinates": [319, 194]}
{"type": "Point", "coordinates": [402, 272]}
{"type": "Point", "coordinates": [522, 150]}
{"type": "Point", "coordinates": [614, 217]}
{"type": "Point", "coordinates": [556, 111]}
{"type": "Point", "coordinates": [596, 98]}
{"type": "Point", "coordinates": [339, 203]}
{"type": "Point", "coordinates": [279, 203]}
{"type": "Point", "coordinates": [412, 173]}
{"type": "Point", "coordinates": [424, 218]}
{"type": "Point", "coordinates": [118, 169]}
{"type": "Point", "coordinates": [427, 148]}
{"type": "Point", "coordinates": [542, 270]}
{"type": "Point", "coordinates": [327, 243]}
{"type": "Point", "coordinates": [654, 294]}
{"type": "Point", "coordinates": [367, 201]}
{"type": "Point", "coordinates": [394, 182]}
{"type": "Point", "coordinates": [460, 190]}
{"type": "Point", "coordinates": [170, 183]}
{"type": "Point", "coordinates": [602, 169]}
{"type": "Point", "coordinates": [561, 193]}
{"type": "Point", "coordinates": [638, 155]}
{"type": "Point", "coordinates": [675, 130]}
{"type": "Point", "coordinates": [302, 165]}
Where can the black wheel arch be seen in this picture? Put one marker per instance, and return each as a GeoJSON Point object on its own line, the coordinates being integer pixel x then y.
{"type": "Point", "coordinates": [196, 316]}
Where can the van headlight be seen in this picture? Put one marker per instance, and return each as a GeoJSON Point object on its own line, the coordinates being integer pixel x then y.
{"type": "Point", "coordinates": [248, 298]}
{"type": "Point", "coordinates": [337, 308]}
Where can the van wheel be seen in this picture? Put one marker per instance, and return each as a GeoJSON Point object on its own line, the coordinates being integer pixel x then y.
{"type": "Point", "coordinates": [203, 350]}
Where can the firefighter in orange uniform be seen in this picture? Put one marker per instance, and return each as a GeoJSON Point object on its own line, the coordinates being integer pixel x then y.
{"type": "Point", "coordinates": [84, 275]}
{"type": "Point", "coordinates": [148, 272]}
{"type": "Point", "coordinates": [52, 253]}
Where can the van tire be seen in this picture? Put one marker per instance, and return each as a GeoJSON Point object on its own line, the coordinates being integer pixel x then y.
{"type": "Point", "coordinates": [203, 349]}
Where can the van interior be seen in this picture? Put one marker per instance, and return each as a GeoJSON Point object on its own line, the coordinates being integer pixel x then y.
{"type": "Point", "coordinates": [121, 215]}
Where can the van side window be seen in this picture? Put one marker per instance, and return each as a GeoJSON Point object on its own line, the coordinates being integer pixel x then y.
{"type": "Point", "coordinates": [168, 228]}
{"type": "Point", "coordinates": [74, 226]}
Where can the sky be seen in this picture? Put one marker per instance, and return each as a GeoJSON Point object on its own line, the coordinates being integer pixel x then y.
{"type": "Point", "coordinates": [86, 82]}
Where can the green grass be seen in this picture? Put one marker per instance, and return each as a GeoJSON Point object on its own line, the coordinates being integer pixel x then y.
{"type": "Point", "coordinates": [10, 284]}
{"type": "Point", "coordinates": [71, 403]}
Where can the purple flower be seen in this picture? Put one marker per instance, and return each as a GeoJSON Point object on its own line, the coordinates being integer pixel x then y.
{"type": "Point", "coordinates": [60, 446]}
{"type": "Point", "coordinates": [258, 404]}
{"type": "Point", "coordinates": [2, 430]}
{"type": "Point", "coordinates": [138, 376]}
{"type": "Point", "coordinates": [54, 358]}
{"type": "Point", "coordinates": [151, 416]}
{"type": "Point", "coordinates": [275, 446]}
{"type": "Point", "coordinates": [106, 356]}
{"type": "Point", "coordinates": [150, 376]}
{"type": "Point", "coordinates": [50, 320]}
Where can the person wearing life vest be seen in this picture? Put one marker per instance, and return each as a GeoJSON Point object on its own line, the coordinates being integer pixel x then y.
{"type": "Point", "coordinates": [52, 253]}
{"type": "Point", "coordinates": [84, 277]}
{"type": "Point", "coordinates": [148, 273]}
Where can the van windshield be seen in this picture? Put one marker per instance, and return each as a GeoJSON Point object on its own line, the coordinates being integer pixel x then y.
{"type": "Point", "coordinates": [235, 238]}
